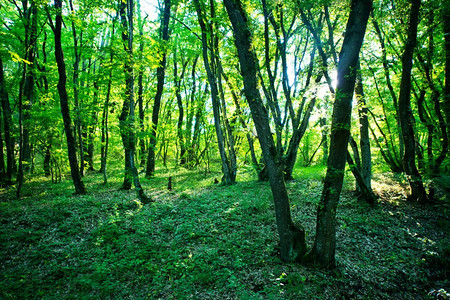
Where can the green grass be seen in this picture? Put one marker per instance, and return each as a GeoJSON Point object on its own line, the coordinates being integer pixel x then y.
{"type": "Point", "coordinates": [208, 241]}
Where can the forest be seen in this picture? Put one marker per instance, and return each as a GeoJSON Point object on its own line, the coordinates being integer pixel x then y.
{"type": "Point", "coordinates": [224, 149]}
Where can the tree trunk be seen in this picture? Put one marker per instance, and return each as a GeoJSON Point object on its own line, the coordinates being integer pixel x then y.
{"type": "Point", "coordinates": [387, 69]}
{"type": "Point", "coordinates": [7, 125]}
{"type": "Point", "coordinates": [292, 238]}
{"type": "Point", "coordinates": [229, 173]}
{"type": "Point", "coordinates": [64, 102]}
{"type": "Point", "coordinates": [75, 86]}
{"type": "Point", "coordinates": [364, 139]}
{"type": "Point", "coordinates": [323, 252]}
{"type": "Point", "coordinates": [405, 112]}
{"type": "Point", "coordinates": [446, 17]}
{"type": "Point", "coordinates": [26, 92]}
{"type": "Point", "coordinates": [297, 135]}
{"type": "Point", "coordinates": [126, 117]}
{"type": "Point", "coordinates": [160, 74]}
{"type": "Point", "coordinates": [140, 96]}
{"type": "Point", "coordinates": [177, 82]}
{"type": "Point", "coordinates": [2, 155]}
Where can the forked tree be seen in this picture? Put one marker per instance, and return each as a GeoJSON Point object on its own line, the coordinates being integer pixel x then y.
{"type": "Point", "coordinates": [292, 237]}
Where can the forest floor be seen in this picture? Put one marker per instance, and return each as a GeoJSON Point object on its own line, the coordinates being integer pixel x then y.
{"type": "Point", "coordinates": [207, 241]}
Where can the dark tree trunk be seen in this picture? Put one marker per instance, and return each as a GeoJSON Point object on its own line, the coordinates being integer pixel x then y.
{"type": "Point", "coordinates": [364, 139]}
{"type": "Point", "coordinates": [140, 96]}
{"type": "Point", "coordinates": [105, 115]}
{"type": "Point", "coordinates": [126, 117]}
{"type": "Point", "coordinates": [446, 17]}
{"type": "Point", "coordinates": [364, 190]}
{"type": "Point", "coordinates": [2, 155]}
{"type": "Point", "coordinates": [75, 86]}
{"type": "Point", "coordinates": [229, 173]}
{"type": "Point", "coordinates": [64, 102]}
{"type": "Point", "coordinates": [7, 126]}
{"type": "Point", "coordinates": [324, 142]}
{"type": "Point", "coordinates": [47, 160]}
{"type": "Point", "coordinates": [160, 75]}
{"type": "Point", "coordinates": [323, 252]}
{"type": "Point", "coordinates": [406, 117]}
{"type": "Point", "coordinates": [387, 70]}
{"type": "Point", "coordinates": [26, 92]}
{"type": "Point", "coordinates": [105, 133]}
{"type": "Point", "coordinates": [292, 238]}
{"type": "Point", "coordinates": [28, 87]}
{"type": "Point", "coordinates": [177, 82]}
{"type": "Point", "coordinates": [297, 135]}
{"type": "Point", "coordinates": [446, 104]}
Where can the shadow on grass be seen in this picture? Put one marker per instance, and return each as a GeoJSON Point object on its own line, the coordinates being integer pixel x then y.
{"type": "Point", "coordinates": [209, 241]}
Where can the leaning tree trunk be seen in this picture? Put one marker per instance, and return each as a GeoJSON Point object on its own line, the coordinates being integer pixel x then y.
{"type": "Point", "coordinates": [64, 102]}
{"type": "Point", "coordinates": [323, 252]}
{"type": "Point", "coordinates": [404, 104]}
{"type": "Point", "coordinates": [160, 74]}
{"type": "Point", "coordinates": [292, 238]}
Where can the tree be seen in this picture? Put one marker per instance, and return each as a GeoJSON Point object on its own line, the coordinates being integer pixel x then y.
{"type": "Point", "coordinates": [211, 61]}
{"type": "Point", "coordinates": [323, 252]}
{"type": "Point", "coordinates": [160, 74]}
{"type": "Point", "coordinates": [126, 118]}
{"type": "Point", "coordinates": [292, 237]}
{"type": "Point", "coordinates": [7, 126]}
{"type": "Point", "coordinates": [405, 113]}
{"type": "Point", "coordinates": [64, 99]}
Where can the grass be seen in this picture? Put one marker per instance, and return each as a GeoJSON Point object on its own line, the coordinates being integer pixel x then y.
{"type": "Point", "coordinates": [208, 241]}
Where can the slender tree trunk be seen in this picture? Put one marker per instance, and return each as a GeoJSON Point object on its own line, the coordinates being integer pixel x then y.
{"type": "Point", "coordinates": [446, 17]}
{"type": "Point", "coordinates": [160, 74]}
{"type": "Point", "coordinates": [229, 175]}
{"type": "Point", "coordinates": [297, 135]}
{"type": "Point", "coordinates": [140, 96]}
{"type": "Point", "coordinates": [389, 84]}
{"type": "Point", "coordinates": [2, 155]}
{"type": "Point", "coordinates": [26, 92]}
{"type": "Point", "coordinates": [7, 125]}
{"type": "Point", "coordinates": [177, 82]}
{"type": "Point", "coordinates": [126, 117]}
{"type": "Point", "coordinates": [105, 133]}
{"type": "Point", "coordinates": [323, 252]}
{"type": "Point", "coordinates": [64, 102]}
{"type": "Point", "coordinates": [364, 139]}
{"type": "Point", "coordinates": [405, 112]}
{"type": "Point", "coordinates": [29, 82]}
{"type": "Point", "coordinates": [292, 238]}
{"type": "Point", "coordinates": [75, 86]}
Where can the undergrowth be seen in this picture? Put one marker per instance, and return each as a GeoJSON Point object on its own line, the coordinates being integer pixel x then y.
{"type": "Point", "coordinates": [207, 241]}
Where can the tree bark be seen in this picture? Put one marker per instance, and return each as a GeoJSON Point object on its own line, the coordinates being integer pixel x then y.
{"type": "Point", "coordinates": [229, 172]}
{"type": "Point", "coordinates": [405, 112]}
{"type": "Point", "coordinates": [292, 237]}
{"type": "Point", "coordinates": [323, 252]}
{"type": "Point", "coordinates": [126, 117]}
{"type": "Point", "coordinates": [446, 17]}
{"type": "Point", "coordinates": [75, 86]}
{"type": "Point", "coordinates": [364, 139]}
{"type": "Point", "coordinates": [7, 126]}
{"type": "Point", "coordinates": [160, 74]}
{"type": "Point", "coordinates": [2, 155]}
{"type": "Point", "coordinates": [64, 102]}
